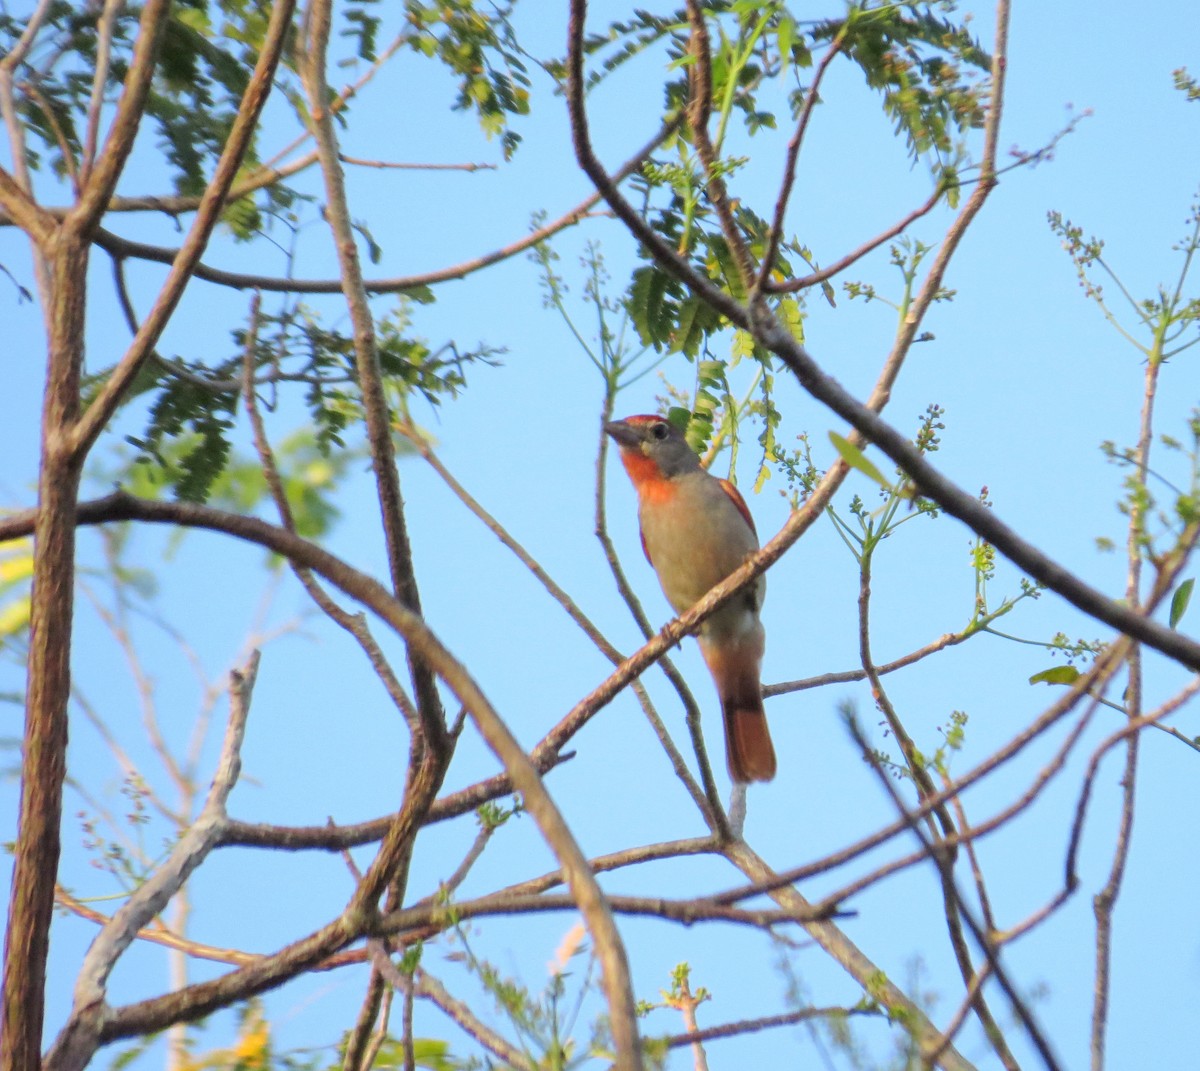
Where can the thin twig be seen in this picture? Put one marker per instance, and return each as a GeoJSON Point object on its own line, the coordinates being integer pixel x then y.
{"type": "Point", "coordinates": [428, 987]}
{"type": "Point", "coordinates": [788, 286]}
{"type": "Point", "coordinates": [104, 33]}
{"type": "Point", "coordinates": [789, 168]}
{"type": "Point", "coordinates": [404, 166]}
{"type": "Point", "coordinates": [754, 1026]}
{"type": "Point", "coordinates": [985, 941]}
{"type": "Point", "coordinates": [850, 676]}
{"type": "Point", "coordinates": [569, 605]}
{"type": "Point", "coordinates": [158, 935]}
{"type": "Point", "coordinates": [354, 624]}
{"type": "Point", "coordinates": [431, 743]}
{"type": "Point", "coordinates": [119, 246]}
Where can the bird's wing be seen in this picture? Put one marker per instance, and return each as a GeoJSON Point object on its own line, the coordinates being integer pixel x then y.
{"type": "Point", "coordinates": [646, 549]}
{"type": "Point", "coordinates": [736, 498]}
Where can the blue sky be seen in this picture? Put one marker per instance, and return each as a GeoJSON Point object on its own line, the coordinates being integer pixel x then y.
{"type": "Point", "coordinates": [1032, 380]}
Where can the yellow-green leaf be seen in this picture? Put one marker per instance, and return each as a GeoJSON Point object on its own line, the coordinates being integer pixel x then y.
{"type": "Point", "coordinates": [1056, 675]}
{"type": "Point", "coordinates": [14, 618]}
{"type": "Point", "coordinates": [1180, 600]}
{"type": "Point", "coordinates": [16, 563]}
{"type": "Point", "coordinates": [856, 459]}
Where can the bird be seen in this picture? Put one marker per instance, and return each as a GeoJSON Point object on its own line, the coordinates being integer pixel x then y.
{"type": "Point", "coordinates": [696, 530]}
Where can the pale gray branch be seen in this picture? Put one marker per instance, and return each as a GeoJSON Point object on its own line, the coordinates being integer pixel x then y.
{"type": "Point", "coordinates": [79, 1038]}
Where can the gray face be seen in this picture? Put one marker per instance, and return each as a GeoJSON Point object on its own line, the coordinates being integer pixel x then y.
{"type": "Point", "coordinates": [656, 439]}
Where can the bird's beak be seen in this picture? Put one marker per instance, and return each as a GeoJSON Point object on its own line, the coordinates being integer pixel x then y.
{"type": "Point", "coordinates": [624, 434]}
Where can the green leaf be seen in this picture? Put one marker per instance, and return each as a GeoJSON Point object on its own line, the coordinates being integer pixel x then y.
{"type": "Point", "coordinates": [689, 332]}
{"type": "Point", "coordinates": [650, 307]}
{"type": "Point", "coordinates": [786, 33]}
{"type": "Point", "coordinates": [793, 318]}
{"type": "Point", "coordinates": [1056, 675]}
{"type": "Point", "coordinates": [743, 346]}
{"type": "Point", "coordinates": [856, 459]}
{"type": "Point", "coordinates": [679, 417]}
{"type": "Point", "coordinates": [1180, 600]}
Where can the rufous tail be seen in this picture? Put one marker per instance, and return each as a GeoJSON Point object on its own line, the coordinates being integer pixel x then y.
{"type": "Point", "coordinates": [748, 747]}
{"type": "Point", "coordinates": [735, 669]}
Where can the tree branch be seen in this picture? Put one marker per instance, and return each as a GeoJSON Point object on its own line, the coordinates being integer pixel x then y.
{"type": "Point", "coordinates": [100, 182]}
{"type": "Point", "coordinates": [127, 247]}
{"type": "Point", "coordinates": [78, 1040]}
{"type": "Point", "coordinates": [585, 892]}
{"type": "Point", "coordinates": [433, 744]}
{"type": "Point", "coordinates": [253, 101]}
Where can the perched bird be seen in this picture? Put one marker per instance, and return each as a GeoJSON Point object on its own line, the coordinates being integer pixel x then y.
{"type": "Point", "coordinates": [696, 530]}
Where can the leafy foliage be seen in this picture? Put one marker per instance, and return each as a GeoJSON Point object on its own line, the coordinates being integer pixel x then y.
{"type": "Point", "coordinates": [919, 63]}
{"type": "Point", "coordinates": [480, 50]}
{"type": "Point", "coordinates": [186, 443]}
{"type": "Point", "coordinates": [187, 436]}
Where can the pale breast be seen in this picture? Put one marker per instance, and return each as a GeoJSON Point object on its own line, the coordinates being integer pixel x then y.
{"type": "Point", "coordinates": [698, 541]}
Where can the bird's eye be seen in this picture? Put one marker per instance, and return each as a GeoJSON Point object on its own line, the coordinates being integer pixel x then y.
{"type": "Point", "coordinates": [659, 431]}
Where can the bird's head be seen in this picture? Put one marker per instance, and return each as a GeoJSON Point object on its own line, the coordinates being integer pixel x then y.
{"type": "Point", "coordinates": [652, 447]}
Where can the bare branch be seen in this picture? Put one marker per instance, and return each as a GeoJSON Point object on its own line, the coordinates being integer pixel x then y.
{"type": "Point", "coordinates": [101, 179]}
{"type": "Point", "coordinates": [789, 168]}
{"type": "Point", "coordinates": [985, 941]}
{"type": "Point", "coordinates": [357, 1047]}
{"type": "Point", "coordinates": [789, 286]}
{"type": "Point", "coordinates": [949, 639]}
{"type": "Point", "coordinates": [120, 246]}
{"type": "Point", "coordinates": [431, 717]}
{"type": "Point", "coordinates": [584, 891]}
{"type": "Point", "coordinates": [405, 166]}
{"type": "Point", "coordinates": [351, 623]}
{"type": "Point", "coordinates": [79, 1038]}
{"type": "Point", "coordinates": [754, 1026]}
{"type": "Point", "coordinates": [431, 989]}
{"type": "Point", "coordinates": [844, 952]}
{"type": "Point", "coordinates": [672, 849]}
{"type": "Point", "coordinates": [158, 935]}
{"type": "Point", "coordinates": [104, 34]}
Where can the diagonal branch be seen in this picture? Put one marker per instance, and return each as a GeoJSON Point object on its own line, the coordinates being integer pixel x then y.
{"type": "Point", "coordinates": [127, 247]}
{"type": "Point", "coordinates": [700, 83]}
{"type": "Point", "coordinates": [843, 951]}
{"type": "Point", "coordinates": [79, 1039]}
{"type": "Point", "coordinates": [930, 483]}
{"type": "Point", "coordinates": [432, 740]}
{"type": "Point", "coordinates": [985, 941]}
{"type": "Point", "coordinates": [842, 263]}
{"type": "Point", "coordinates": [789, 168]}
{"type": "Point", "coordinates": [99, 184]}
{"type": "Point", "coordinates": [253, 100]}
{"type": "Point", "coordinates": [585, 892]}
